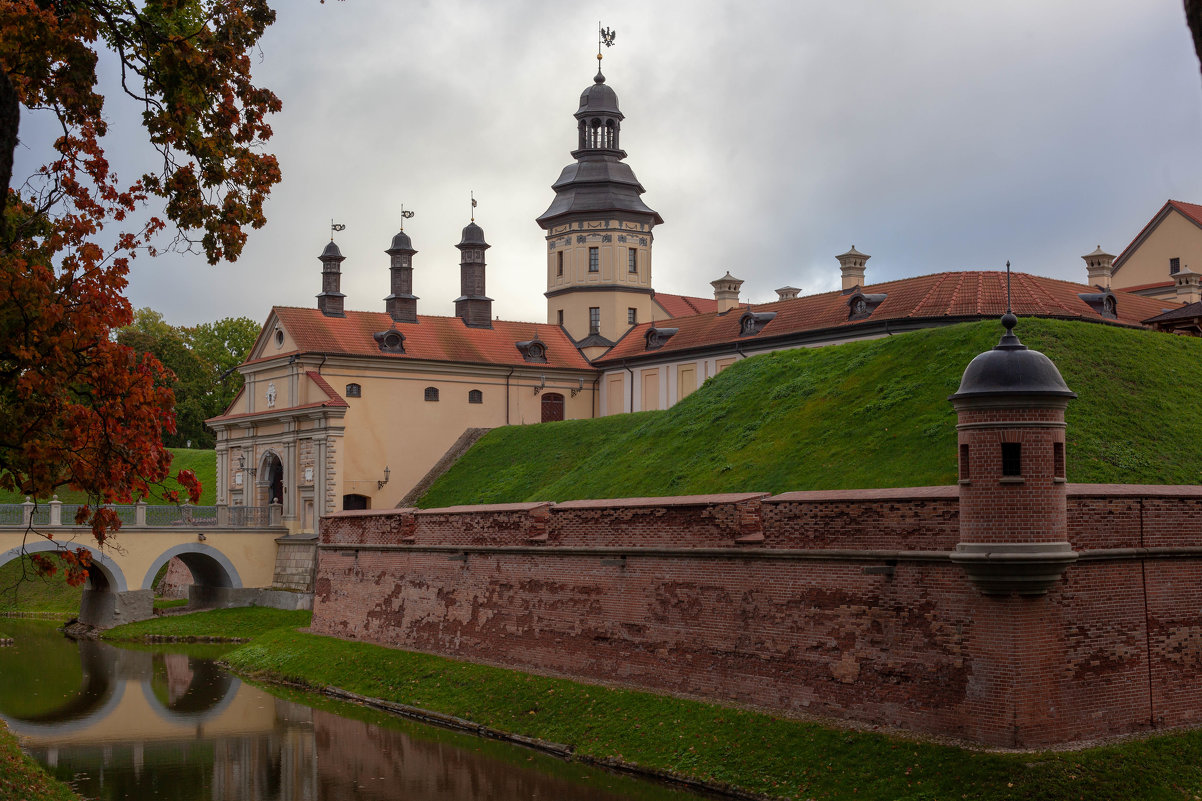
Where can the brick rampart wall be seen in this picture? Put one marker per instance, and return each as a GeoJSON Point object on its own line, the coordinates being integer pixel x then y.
{"type": "Point", "coordinates": [840, 604]}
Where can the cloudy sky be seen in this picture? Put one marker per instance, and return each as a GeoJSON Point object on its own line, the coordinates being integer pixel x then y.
{"type": "Point", "coordinates": [932, 134]}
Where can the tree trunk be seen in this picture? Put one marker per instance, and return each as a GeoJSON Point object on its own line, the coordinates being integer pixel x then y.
{"type": "Point", "coordinates": [1193, 15]}
{"type": "Point", "coordinates": [10, 117]}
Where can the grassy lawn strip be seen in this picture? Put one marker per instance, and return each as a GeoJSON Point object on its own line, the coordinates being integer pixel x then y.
{"type": "Point", "coordinates": [754, 751]}
{"type": "Point", "coordinates": [22, 779]}
{"type": "Point", "coordinates": [242, 623]}
{"type": "Point", "coordinates": [201, 462]}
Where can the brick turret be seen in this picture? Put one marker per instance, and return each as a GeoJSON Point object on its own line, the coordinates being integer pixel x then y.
{"type": "Point", "coordinates": [472, 305]}
{"type": "Point", "coordinates": [401, 304]}
{"type": "Point", "coordinates": [1010, 410]}
{"type": "Point", "coordinates": [330, 301]}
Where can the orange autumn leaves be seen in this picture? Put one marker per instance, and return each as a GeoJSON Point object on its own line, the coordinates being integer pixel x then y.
{"type": "Point", "coordinates": [77, 408]}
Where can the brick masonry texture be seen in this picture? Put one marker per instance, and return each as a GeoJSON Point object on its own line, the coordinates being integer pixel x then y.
{"type": "Point", "coordinates": [841, 604]}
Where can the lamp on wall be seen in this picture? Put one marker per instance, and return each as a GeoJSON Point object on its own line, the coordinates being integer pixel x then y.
{"type": "Point", "coordinates": [576, 390]}
{"type": "Point", "coordinates": [380, 484]}
{"type": "Point", "coordinates": [541, 384]}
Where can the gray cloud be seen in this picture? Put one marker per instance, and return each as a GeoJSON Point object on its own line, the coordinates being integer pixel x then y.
{"type": "Point", "coordinates": [770, 135]}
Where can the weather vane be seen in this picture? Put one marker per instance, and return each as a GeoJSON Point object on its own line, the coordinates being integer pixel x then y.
{"type": "Point", "coordinates": [335, 227]}
{"type": "Point", "coordinates": [473, 195]}
{"type": "Point", "coordinates": [405, 215]}
{"type": "Point", "coordinates": [605, 36]}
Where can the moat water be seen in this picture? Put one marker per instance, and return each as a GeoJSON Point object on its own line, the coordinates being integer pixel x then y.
{"type": "Point", "coordinates": [169, 723]}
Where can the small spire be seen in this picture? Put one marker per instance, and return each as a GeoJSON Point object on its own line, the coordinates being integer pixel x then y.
{"type": "Point", "coordinates": [473, 195]}
{"type": "Point", "coordinates": [1009, 320]}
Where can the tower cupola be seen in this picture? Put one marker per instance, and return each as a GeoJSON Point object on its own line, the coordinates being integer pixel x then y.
{"type": "Point", "coordinates": [472, 305]}
{"type": "Point", "coordinates": [330, 301]}
{"type": "Point", "coordinates": [401, 304]}
{"type": "Point", "coordinates": [599, 118]}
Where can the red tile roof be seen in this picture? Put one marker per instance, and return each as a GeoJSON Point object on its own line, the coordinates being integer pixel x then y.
{"type": "Point", "coordinates": [684, 305]}
{"type": "Point", "coordinates": [1191, 211]}
{"type": "Point", "coordinates": [444, 339]}
{"type": "Point", "coordinates": [334, 398]}
{"type": "Point", "coordinates": [958, 295]}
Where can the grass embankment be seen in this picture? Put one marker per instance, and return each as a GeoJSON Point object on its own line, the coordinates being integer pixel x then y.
{"type": "Point", "coordinates": [864, 414]}
{"type": "Point", "coordinates": [711, 743]}
{"type": "Point", "coordinates": [21, 590]}
{"type": "Point", "coordinates": [201, 462]}
{"type": "Point", "coordinates": [240, 623]}
{"type": "Point", "coordinates": [23, 779]}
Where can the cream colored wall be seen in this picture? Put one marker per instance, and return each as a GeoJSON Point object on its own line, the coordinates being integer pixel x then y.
{"type": "Point", "coordinates": [393, 425]}
{"type": "Point", "coordinates": [613, 271]}
{"type": "Point", "coordinates": [1175, 237]}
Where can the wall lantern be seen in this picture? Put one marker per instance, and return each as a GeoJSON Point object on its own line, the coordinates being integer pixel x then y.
{"type": "Point", "coordinates": [380, 484]}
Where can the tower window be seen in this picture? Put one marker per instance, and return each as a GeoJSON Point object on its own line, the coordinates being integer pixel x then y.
{"type": "Point", "coordinates": [559, 316]}
{"type": "Point", "coordinates": [431, 393]}
{"type": "Point", "coordinates": [559, 264]}
{"type": "Point", "coordinates": [475, 396]}
{"type": "Point", "coordinates": [594, 260]}
{"type": "Point", "coordinates": [1174, 266]}
{"type": "Point", "coordinates": [632, 260]}
{"type": "Point", "coordinates": [1012, 459]}
{"type": "Point", "coordinates": [594, 319]}
{"type": "Point", "coordinates": [1058, 459]}
{"type": "Point", "coordinates": [632, 316]}
{"type": "Point", "coordinates": [354, 391]}
{"type": "Point", "coordinates": [964, 471]}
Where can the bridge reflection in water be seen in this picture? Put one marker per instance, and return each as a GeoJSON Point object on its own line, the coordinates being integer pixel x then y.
{"type": "Point", "coordinates": [144, 725]}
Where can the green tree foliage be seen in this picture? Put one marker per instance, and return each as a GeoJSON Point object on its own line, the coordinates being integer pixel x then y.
{"type": "Point", "coordinates": [201, 359]}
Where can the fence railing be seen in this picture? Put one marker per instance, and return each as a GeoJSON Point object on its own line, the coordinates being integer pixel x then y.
{"type": "Point", "coordinates": [141, 515]}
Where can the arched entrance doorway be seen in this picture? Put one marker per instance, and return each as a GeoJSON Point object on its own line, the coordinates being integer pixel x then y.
{"type": "Point", "coordinates": [552, 407]}
{"type": "Point", "coordinates": [273, 479]}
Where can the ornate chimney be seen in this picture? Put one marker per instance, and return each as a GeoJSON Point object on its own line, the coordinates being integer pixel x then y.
{"type": "Point", "coordinates": [726, 292]}
{"type": "Point", "coordinates": [1188, 289]}
{"type": "Point", "coordinates": [472, 306]}
{"type": "Point", "coordinates": [329, 302]}
{"type": "Point", "coordinates": [851, 265]}
{"type": "Point", "coordinates": [787, 293]}
{"type": "Point", "coordinates": [401, 305]}
{"type": "Point", "coordinates": [1098, 267]}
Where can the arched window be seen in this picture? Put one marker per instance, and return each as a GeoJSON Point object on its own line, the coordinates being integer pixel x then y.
{"type": "Point", "coordinates": [355, 502]}
{"type": "Point", "coordinates": [475, 396]}
{"type": "Point", "coordinates": [431, 393]}
{"type": "Point", "coordinates": [354, 391]}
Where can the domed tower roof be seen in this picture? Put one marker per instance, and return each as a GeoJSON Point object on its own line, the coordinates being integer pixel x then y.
{"type": "Point", "coordinates": [473, 235]}
{"type": "Point", "coordinates": [331, 252]}
{"type": "Point", "coordinates": [598, 182]}
{"type": "Point", "coordinates": [599, 99]}
{"type": "Point", "coordinates": [401, 242]}
{"type": "Point", "coordinates": [1011, 368]}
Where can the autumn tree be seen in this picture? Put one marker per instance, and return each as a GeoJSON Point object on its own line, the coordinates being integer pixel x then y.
{"type": "Point", "coordinates": [78, 408]}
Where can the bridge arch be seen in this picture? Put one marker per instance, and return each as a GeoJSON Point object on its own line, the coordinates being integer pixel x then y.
{"type": "Point", "coordinates": [209, 566]}
{"type": "Point", "coordinates": [104, 573]}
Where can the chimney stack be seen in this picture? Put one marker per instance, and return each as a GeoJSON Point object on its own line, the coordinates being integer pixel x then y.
{"type": "Point", "coordinates": [1098, 266]}
{"type": "Point", "coordinates": [787, 293]}
{"type": "Point", "coordinates": [1188, 289]}
{"type": "Point", "coordinates": [401, 305]}
{"type": "Point", "coordinates": [472, 306]}
{"type": "Point", "coordinates": [330, 301]}
{"type": "Point", "coordinates": [851, 265]}
{"type": "Point", "coordinates": [726, 292]}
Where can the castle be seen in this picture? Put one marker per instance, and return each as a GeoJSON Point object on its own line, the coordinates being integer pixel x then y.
{"type": "Point", "coordinates": [345, 409]}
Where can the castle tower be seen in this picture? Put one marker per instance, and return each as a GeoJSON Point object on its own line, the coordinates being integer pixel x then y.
{"type": "Point", "coordinates": [472, 305]}
{"type": "Point", "coordinates": [401, 305]}
{"type": "Point", "coordinates": [1010, 414]}
{"type": "Point", "coordinates": [599, 232]}
{"type": "Point", "coordinates": [330, 301]}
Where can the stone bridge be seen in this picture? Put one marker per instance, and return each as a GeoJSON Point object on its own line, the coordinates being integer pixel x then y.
{"type": "Point", "coordinates": [254, 563]}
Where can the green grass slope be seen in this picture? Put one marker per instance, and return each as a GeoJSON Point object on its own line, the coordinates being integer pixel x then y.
{"type": "Point", "coordinates": [864, 414]}
{"type": "Point", "coordinates": [201, 462]}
